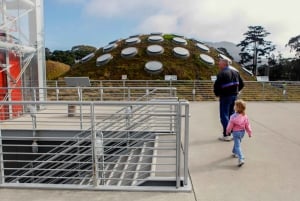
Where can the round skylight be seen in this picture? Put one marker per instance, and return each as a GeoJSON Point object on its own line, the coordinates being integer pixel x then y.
{"type": "Point", "coordinates": [87, 57]}
{"type": "Point", "coordinates": [135, 36]}
{"type": "Point", "coordinates": [197, 41]}
{"type": "Point", "coordinates": [155, 49]}
{"type": "Point", "coordinates": [207, 59]}
{"type": "Point", "coordinates": [247, 71]}
{"type": "Point", "coordinates": [225, 57]}
{"type": "Point", "coordinates": [233, 68]}
{"type": "Point", "coordinates": [181, 52]}
{"type": "Point", "coordinates": [115, 41]}
{"type": "Point", "coordinates": [154, 66]}
{"type": "Point", "coordinates": [156, 33]}
{"type": "Point", "coordinates": [110, 47]}
{"type": "Point", "coordinates": [202, 47]}
{"type": "Point", "coordinates": [155, 39]}
{"type": "Point", "coordinates": [132, 41]}
{"type": "Point", "coordinates": [103, 59]}
{"type": "Point", "coordinates": [179, 41]}
{"type": "Point", "coordinates": [178, 35]}
{"type": "Point", "coordinates": [129, 52]}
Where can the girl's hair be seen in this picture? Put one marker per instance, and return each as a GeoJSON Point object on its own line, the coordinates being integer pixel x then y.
{"type": "Point", "coordinates": [240, 106]}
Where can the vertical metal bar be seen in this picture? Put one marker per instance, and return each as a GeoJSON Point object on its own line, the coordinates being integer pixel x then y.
{"type": "Point", "coordinates": [80, 100]}
{"type": "Point", "coordinates": [264, 94]}
{"type": "Point", "coordinates": [147, 90]}
{"type": "Point", "coordinates": [186, 142]}
{"type": "Point", "coordinates": [93, 140]}
{"type": "Point", "coordinates": [2, 181]}
{"type": "Point", "coordinates": [194, 91]}
{"type": "Point", "coordinates": [124, 90]}
{"type": "Point", "coordinates": [34, 94]}
{"type": "Point", "coordinates": [128, 94]}
{"type": "Point", "coordinates": [284, 88]}
{"type": "Point", "coordinates": [147, 94]}
{"type": "Point", "coordinates": [101, 94]}
{"type": "Point", "coordinates": [170, 85]}
{"type": "Point", "coordinates": [57, 91]}
{"type": "Point", "coordinates": [178, 140]}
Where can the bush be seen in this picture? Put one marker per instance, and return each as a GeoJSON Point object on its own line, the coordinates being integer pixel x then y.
{"type": "Point", "coordinates": [55, 69]}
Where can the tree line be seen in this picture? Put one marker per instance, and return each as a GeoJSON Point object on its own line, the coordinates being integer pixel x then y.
{"type": "Point", "coordinates": [69, 57]}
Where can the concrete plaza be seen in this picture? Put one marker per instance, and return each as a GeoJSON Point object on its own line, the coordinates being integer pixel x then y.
{"type": "Point", "coordinates": [271, 170]}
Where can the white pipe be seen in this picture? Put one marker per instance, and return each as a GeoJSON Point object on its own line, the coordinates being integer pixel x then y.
{"type": "Point", "coordinates": [21, 4]}
{"type": "Point", "coordinates": [24, 49]}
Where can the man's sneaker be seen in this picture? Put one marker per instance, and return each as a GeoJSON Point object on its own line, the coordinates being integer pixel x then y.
{"type": "Point", "coordinates": [241, 162]}
{"type": "Point", "coordinates": [227, 138]}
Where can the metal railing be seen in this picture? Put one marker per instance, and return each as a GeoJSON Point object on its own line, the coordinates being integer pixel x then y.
{"type": "Point", "coordinates": [118, 145]}
{"type": "Point", "coordinates": [201, 90]}
{"type": "Point", "coordinates": [60, 93]}
{"type": "Point", "coordinates": [132, 90]}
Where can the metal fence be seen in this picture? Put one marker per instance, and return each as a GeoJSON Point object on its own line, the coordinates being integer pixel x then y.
{"type": "Point", "coordinates": [109, 145]}
{"type": "Point", "coordinates": [200, 90]}
{"type": "Point", "coordinates": [132, 90]}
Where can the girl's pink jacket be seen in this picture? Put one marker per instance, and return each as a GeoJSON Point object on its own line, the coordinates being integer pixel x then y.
{"type": "Point", "coordinates": [239, 122]}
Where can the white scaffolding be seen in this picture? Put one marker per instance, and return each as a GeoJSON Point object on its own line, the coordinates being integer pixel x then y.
{"type": "Point", "coordinates": [22, 34]}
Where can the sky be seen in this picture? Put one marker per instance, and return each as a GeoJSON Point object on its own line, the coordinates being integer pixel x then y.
{"type": "Point", "coordinates": [97, 22]}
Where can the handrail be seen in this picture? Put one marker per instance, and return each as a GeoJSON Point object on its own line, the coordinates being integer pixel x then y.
{"type": "Point", "coordinates": [138, 122]}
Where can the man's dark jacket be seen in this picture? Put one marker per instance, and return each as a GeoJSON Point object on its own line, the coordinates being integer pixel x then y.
{"type": "Point", "coordinates": [228, 83]}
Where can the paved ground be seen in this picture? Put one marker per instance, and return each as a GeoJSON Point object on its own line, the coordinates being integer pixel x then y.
{"type": "Point", "coordinates": [271, 171]}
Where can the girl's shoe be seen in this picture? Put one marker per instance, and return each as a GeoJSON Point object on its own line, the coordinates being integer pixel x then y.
{"type": "Point", "coordinates": [241, 162]}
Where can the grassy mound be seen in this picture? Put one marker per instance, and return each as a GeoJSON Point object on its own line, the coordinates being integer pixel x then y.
{"type": "Point", "coordinates": [191, 68]}
{"type": "Point", "coordinates": [55, 69]}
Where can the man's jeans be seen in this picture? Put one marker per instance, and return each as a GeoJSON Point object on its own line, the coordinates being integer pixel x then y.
{"type": "Point", "coordinates": [237, 137]}
{"type": "Point", "coordinates": [226, 109]}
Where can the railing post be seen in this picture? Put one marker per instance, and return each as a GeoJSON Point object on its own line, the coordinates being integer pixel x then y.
{"type": "Point", "coordinates": [186, 142]}
{"type": "Point", "coordinates": [284, 87]}
{"type": "Point", "coordinates": [194, 91]}
{"type": "Point", "coordinates": [93, 140]}
{"type": "Point", "coordinates": [128, 94]}
{"type": "Point", "coordinates": [264, 94]}
{"type": "Point", "coordinates": [57, 91]}
{"type": "Point", "coordinates": [79, 90]}
{"type": "Point", "coordinates": [101, 94]}
{"type": "Point", "coordinates": [178, 141]}
{"type": "Point", "coordinates": [2, 181]}
{"type": "Point", "coordinates": [34, 94]}
{"type": "Point", "coordinates": [124, 90]}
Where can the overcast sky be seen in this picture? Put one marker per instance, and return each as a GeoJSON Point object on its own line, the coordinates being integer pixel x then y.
{"type": "Point", "coordinates": [98, 22]}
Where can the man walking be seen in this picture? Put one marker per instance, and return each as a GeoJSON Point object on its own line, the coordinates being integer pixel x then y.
{"type": "Point", "coordinates": [226, 87]}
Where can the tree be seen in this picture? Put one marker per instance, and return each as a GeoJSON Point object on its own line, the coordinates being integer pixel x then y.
{"type": "Point", "coordinates": [294, 44]}
{"type": "Point", "coordinates": [66, 57]}
{"type": "Point", "coordinates": [254, 46]}
{"type": "Point", "coordinates": [225, 52]}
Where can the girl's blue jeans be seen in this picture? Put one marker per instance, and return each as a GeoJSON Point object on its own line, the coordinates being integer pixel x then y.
{"type": "Point", "coordinates": [237, 149]}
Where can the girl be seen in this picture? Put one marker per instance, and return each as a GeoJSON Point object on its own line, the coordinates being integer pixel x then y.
{"type": "Point", "coordinates": [237, 125]}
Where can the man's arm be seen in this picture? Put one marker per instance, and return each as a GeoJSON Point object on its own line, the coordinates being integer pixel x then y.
{"type": "Point", "coordinates": [217, 87]}
{"type": "Point", "coordinates": [241, 83]}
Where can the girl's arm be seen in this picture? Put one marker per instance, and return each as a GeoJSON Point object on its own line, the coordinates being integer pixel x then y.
{"type": "Point", "coordinates": [248, 127]}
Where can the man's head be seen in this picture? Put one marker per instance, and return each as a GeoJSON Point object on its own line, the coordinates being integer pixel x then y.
{"type": "Point", "coordinates": [223, 63]}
